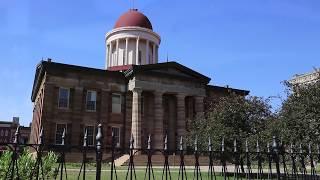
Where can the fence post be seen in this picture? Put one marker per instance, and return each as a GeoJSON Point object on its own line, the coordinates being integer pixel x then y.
{"type": "Point", "coordinates": [99, 138]}
{"type": "Point", "coordinates": [211, 172]}
{"type": "Point", "coordinates": [275, 150]}
{"type": "Point", "coordinates": [166, 169]}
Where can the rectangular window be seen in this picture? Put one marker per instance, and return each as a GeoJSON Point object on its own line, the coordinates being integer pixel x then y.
{"type": "Point", "coordinates": [116, 133]}
{"type": "Point", "coordinates": [59, 131]}
{"type": "Point", "coordinates": [91, 100]}
{"type": "Point", "coordinates": [116, 103]}
{"type": "Point", "coordinates": [64, 94]}
{"type": "Point", "coordinates": [90, 135]}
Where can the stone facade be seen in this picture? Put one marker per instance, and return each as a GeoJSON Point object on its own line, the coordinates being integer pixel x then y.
{"type": "Point", "coordinates": [156, 100]}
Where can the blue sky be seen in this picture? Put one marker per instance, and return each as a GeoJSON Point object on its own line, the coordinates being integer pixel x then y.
{"type": "Point", "coordinates": [247, 44]}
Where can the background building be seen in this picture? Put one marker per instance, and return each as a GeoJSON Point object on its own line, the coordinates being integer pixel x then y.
{"type": "Point", "coordinates": [307, 78]}
{"type": "Point", "coordinates": [134, 95]}
{"type": "Point", "coordinates": [8, 129]}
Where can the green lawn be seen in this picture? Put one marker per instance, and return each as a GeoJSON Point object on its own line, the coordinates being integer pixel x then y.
{"type": "Point", "coordinates": [73, 172]}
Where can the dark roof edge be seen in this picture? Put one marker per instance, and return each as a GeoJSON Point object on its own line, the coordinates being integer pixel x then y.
{"type": "Point", "coordinates": [240, 91]}
{"type": "Point", "coordinates": [139, 68]}
{"type": "Point", "coordinates": [43, 66]}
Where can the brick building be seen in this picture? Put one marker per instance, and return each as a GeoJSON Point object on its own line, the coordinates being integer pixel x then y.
{"type": "Point", "coordinates": [134, 94]}
{"type": "Point", "coordinates": [8, 129]}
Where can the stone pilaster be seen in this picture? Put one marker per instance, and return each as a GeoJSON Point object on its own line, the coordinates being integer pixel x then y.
{"type": "Point", "coordinates": [158, 121]}
{"type": "Point", "coordinates": [199, 105]}
{"type": "Point", "coordinates": [77, 115]}
{"type": "Point", "coordinates": [181, 116]}
{"type": "Point", "coordinates": [136, 117]}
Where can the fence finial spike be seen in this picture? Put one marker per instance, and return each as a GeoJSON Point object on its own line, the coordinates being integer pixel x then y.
{"type": "Point", "coordinates": [247, 146]}
{"type": "Point", "coordinates": [300, 148]}
{"type": "Point", "coordinates": [17, 135]}
{"type": "Point", "coordinates": [235, 145]}
{"type": "Point", "coordinates": [318, 148]}
{"type": "Point", "coordinates": [63, 136]}
{"type": "Point", "coordinates": [310, 148]}
{"type": "Point", "coordinates": [268, 147]}
{"type": "Point", "coordinates": [85, 137]}
{"type": "Point", "coordinates": [181, 143]}
{"type": "Point", "coordinates": [196, 144]}
{"type": "Point", "coordinates": [210, 144]}
{"type": "Point", "coordinates": [41, 136]}
{"type": "Point", "coordinates": [149, 142]}
{"type": "Point", "coordinates": [131, 142]}
{"type": "Point", "coordinates": [222, 144]}
{"type": "Point", "coordinates": [166, 143]}
{"type": "Point", "coordinates": [291, 148]}
{"type": "Point", "coordinates": [258, 146]}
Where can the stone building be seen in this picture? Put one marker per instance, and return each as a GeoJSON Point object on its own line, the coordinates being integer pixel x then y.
{"type": "Point", "coordinates": [134, 94]}
{"type": "Point", "coordinates": [307, 78]}
{"type": "Point", "coordinates": [8, 129]}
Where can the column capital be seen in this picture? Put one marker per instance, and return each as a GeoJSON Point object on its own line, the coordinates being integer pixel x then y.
{"type": "Point", "coordinates": [158, 93]}
{"type": "Point", "coordinates": [181, 95]}
{"type": "Point", "coordinates": [137, 90]}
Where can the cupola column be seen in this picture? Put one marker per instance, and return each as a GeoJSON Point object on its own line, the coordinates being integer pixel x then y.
{"type": "Point", "coordinates": [110, 55]}
{"type": "Point", "coordinates": [137, 51]}
{"type": "Point", "coordinates": [126, 51]}
{"type": "Point", "coordinates": [154, 54]}
{"type": "Point", "coordinates": [117, 53]}
{"type": "Point", "coordinates": [147, 52]}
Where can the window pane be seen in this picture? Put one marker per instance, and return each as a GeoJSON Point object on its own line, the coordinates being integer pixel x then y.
{"type": "Point", "coordinates": [91, 100]}
{"type": "Point", "coordinates": [116, 103]}
{"type": "Point", "coordinates": [90, 135]}
{"type": "Point", "coordinates": [63, 97]}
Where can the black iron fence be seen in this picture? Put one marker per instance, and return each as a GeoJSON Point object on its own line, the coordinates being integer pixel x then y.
{"type": "Point", "coordinates": [275, 161]}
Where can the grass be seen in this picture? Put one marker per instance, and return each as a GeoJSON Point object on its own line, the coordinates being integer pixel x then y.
{"type": "Point", "coordinates": [74, 168]}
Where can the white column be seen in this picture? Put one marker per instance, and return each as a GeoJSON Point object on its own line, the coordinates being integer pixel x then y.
{"type": "Point", "coordinates": [156, 59]}
{"type": "Point", "coordinates": [110, 55]}
{"type": "Point", "coordinates": [154, 53]}
{"type": "Point", "coordinates": [126, 53]}
{"type": "Point", "coordinates": [137, 51]}
{"type": "Point", "coordinates": [136, 117]}
{"type": "Point", "coordinates": [117, 53]}
{"type": "Point", "coordinates": [107, 56]}
{"type": "Point", "coordinates": [147, 53]}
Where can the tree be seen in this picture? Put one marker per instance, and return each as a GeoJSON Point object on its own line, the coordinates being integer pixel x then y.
{"type": "Point", "coordinates": [230, 117]}
{"type": "Point", "coordinates": [299, 117]}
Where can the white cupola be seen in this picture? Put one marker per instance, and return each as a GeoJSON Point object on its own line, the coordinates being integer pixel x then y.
{"type": "Point", "coordinates": [131, 42]}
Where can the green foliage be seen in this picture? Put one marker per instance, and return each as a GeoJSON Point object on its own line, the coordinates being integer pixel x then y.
{"type": "Point", "coordinates": [299, 117]}
{"type": "Point", "coordinates": [231, 117]}
{"type": "Point", "coordinates": [26, 164]}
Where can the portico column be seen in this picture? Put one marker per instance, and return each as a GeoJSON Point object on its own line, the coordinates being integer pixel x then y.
{"type": "Point", "coordinates": [181, 115]}
{"type": "Point", "coordinates": [147, 53]}
{"type": "Point", "coordinates": [158, 120]}
{"type": "Point", "coordinates": [136, 117]}
{"type": "Point", "coordinates": [126, 51]}
{"type": "Point", "coordinates": [199, 105]}
{"type": "Point", "coordinates": [137, 52]}
{"type": "Point", "coordinates": [107, 56]}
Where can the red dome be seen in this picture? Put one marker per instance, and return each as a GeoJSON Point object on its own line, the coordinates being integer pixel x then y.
{"type": "Point", "coordinates": [133, 18]}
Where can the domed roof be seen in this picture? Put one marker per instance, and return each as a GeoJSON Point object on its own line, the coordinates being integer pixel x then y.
{"type": "Point", "coordinates": [133, 18]}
